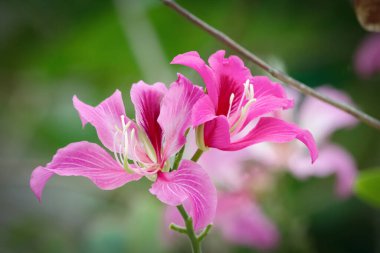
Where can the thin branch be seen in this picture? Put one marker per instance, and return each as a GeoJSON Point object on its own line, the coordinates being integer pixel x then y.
{"type": "Point", "coordinates": [363, 117]}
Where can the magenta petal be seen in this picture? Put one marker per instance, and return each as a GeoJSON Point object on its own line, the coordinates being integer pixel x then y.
{"type": "Point", "coordinates": [332, 160]}
{"type": "Point", "coordinates": [266, 104]}
{"type": "Point", "coordinates": [194, 61]}
{"type": "Point", "coordinates": [217, 133]}
{"type": "Point", "coordinates": [204, 110]}
{"type": "Point", "coordinates": [191, 186]}
{"type": "Point", "coordinates": [82, 159]}
{"type": "Point", "coordinates": [106, 117]}
{"type": "Point", "coordinates": [263, 86]}
{"type": "Point", "coordinates": [175, 115]}
{"type": "Point", "coordinates": [242, 222]}
{"type": "Point", "coordinates": [147, 100]}
{"type": "Point", "coordinates": [231, 74]}
{"type": "Point", "coordinates": [232, 67]}
{"type": "Point", "coordinates": [276, 130]}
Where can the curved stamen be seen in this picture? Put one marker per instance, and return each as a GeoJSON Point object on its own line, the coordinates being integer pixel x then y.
{"type": "Point", "coordinates": [125, 150]}
{"type": "Point", "coordinates": [249, 94]}
{"type": "Point", "coordinates": [114, 149]}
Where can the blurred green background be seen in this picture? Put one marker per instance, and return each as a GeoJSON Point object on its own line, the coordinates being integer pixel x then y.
{"type": "Point", "coordinates": [51, 50]}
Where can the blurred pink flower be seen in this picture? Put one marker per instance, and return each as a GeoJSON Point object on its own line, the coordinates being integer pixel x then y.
{"type": "Point", "coordinates": [238, 217]}
{"type": "Point", "coordinates": [234, 99]}
{"type": "Point", "coordinates": [322, 120]}
{"type": "Point", "coordinates": [241, 221]}
{"type": "Point", "coordinates": [367, 57]}
{"type": "Point", "coordinates": [162, 117]}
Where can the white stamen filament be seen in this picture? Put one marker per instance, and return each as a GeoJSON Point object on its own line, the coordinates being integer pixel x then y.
{"type": "Point", "coordinates": [230, 106]}
{"type": "Point", "coordinates": [125, 148]}
{"type": "Point", "coordinates": [249, 94]}
{"type": "Point", "coordinates": [121, 138]}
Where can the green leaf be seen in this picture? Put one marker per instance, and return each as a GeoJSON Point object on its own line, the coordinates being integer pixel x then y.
{"type": "Point", "coordinates": [367, 186]}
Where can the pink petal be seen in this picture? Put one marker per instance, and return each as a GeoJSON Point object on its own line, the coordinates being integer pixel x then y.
{"type": "Point", "coordinates": [191, 186]}
{"type": "Point", "coordinates": [231, 74]}
{"type": "Point", "coordinates": [367, 57]}
{"type": "Point", "coordinates": [176, 110]}
{"type": "Point", "coordinates": [204, 110]}
{"type": "Point", "coordinates": [323, 119]}
{"type": "Point", "coordinates": [266, 104]}
{"type": "Point", "coordinates": [226, 168]}
{"type": "Point", "coordinates": [217, 132]}
{"type": "Point", "coordinates": [38, 180]}
{"type": "Point", "coordinates": [263, 86]}
{"type": "Point", "coordinates": [233, 67]}
{"type": "Point", "coordinates": [332, 160]}
{"type": "Point", "coordinates": [82, 159]}
{"type": "Point", "coordinates": [275, 130]}
{"type": "Point", "coordinates": [106, 117]}
{"type": "Point", "coordinates": [194, 61]}
{"type": "Point", "coordinates": [147, 101]}
{"type": "Point", "coordinates": [242, 222]}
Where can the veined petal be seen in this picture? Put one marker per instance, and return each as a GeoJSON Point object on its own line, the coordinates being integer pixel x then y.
{"type": "Point", "coordinates": [82, 159]}
{"type": "Point", "coordinates": [275, 130]}
{"type": "Point", "coordinates": [266, 104]}
{"type": "Point", "coordinates": [217, 132]}
{"type": "Point", "coordinates": [106, 117]}
{"type": "Point", "coordinates": [332, 159]}
{"type": "Point", "coordinates": [38, 180]}
{"type": "Point", "coordinates": [231, 74]}
{"type": "Point", "coordinates": [191, 186]}
{"type": "Point", "coordinates": [242, 222]}
{"type": "Point", "coordinates": [147, 101]}
{"type": "Point", "coordinates": [204, 110]}
{"type": "Point", "coordinates": [194, 61]}
{"type": "Point", "coordinates": [323, 119]}
{"type": "Point", "coordinates": [232, 66]}
{"type": "Point", "coordinates": [175, 115]}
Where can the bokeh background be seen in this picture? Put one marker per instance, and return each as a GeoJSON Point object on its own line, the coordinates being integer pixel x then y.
{"type": "Point", "coordinates": [51, 50]}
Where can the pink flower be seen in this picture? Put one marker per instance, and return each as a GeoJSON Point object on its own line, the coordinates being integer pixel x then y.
{"type": "Point", "coordinates": [333, 159]}
{"type": "Point", "coordinates": [239, 218]}
{"type": "Point", "coordinates": [140, 149]}
{"type": "Point", "coordinates": [234, 99]}
{"type": "Point", "coordinates": [242, 222]}
{"type": "Point", "coordinates": [322, 120]}
{"type": "Point", "coordinates": [367, 57]}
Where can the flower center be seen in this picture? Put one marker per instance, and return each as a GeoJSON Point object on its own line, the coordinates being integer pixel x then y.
{"type": "Point", "coordinates": [127, 150]}
{"type": "Point", "coordinates": [241, 112]}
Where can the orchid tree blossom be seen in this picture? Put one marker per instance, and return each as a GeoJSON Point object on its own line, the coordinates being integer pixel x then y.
{"type": "Point", "coordinates": [239, 218]}
{"type": "Point", "coordinates": [234, 99]}
{"type": "Point", "coordinates": [239, 181]}
{"type": "Point", "coordinates": [140, 148]}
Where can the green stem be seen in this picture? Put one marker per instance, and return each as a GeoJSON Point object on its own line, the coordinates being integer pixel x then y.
{"type": "Point", "coordinates": [178, 158]}
{"type": "Point", "coordinates": [189, 226]}
{"type": "Point", "coordinates": [197, 155]}
{"type": "Point", "coordinates": [195, 242]}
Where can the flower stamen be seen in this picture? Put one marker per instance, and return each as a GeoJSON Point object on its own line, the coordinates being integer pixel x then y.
{"type": "Point", "coordinates": [232, 97]}
{"type": "Point", "coordinates": [249, 94]}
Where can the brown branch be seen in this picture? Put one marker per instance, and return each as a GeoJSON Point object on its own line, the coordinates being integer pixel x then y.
{"type": "Point", "coordinates": [363, 117]}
